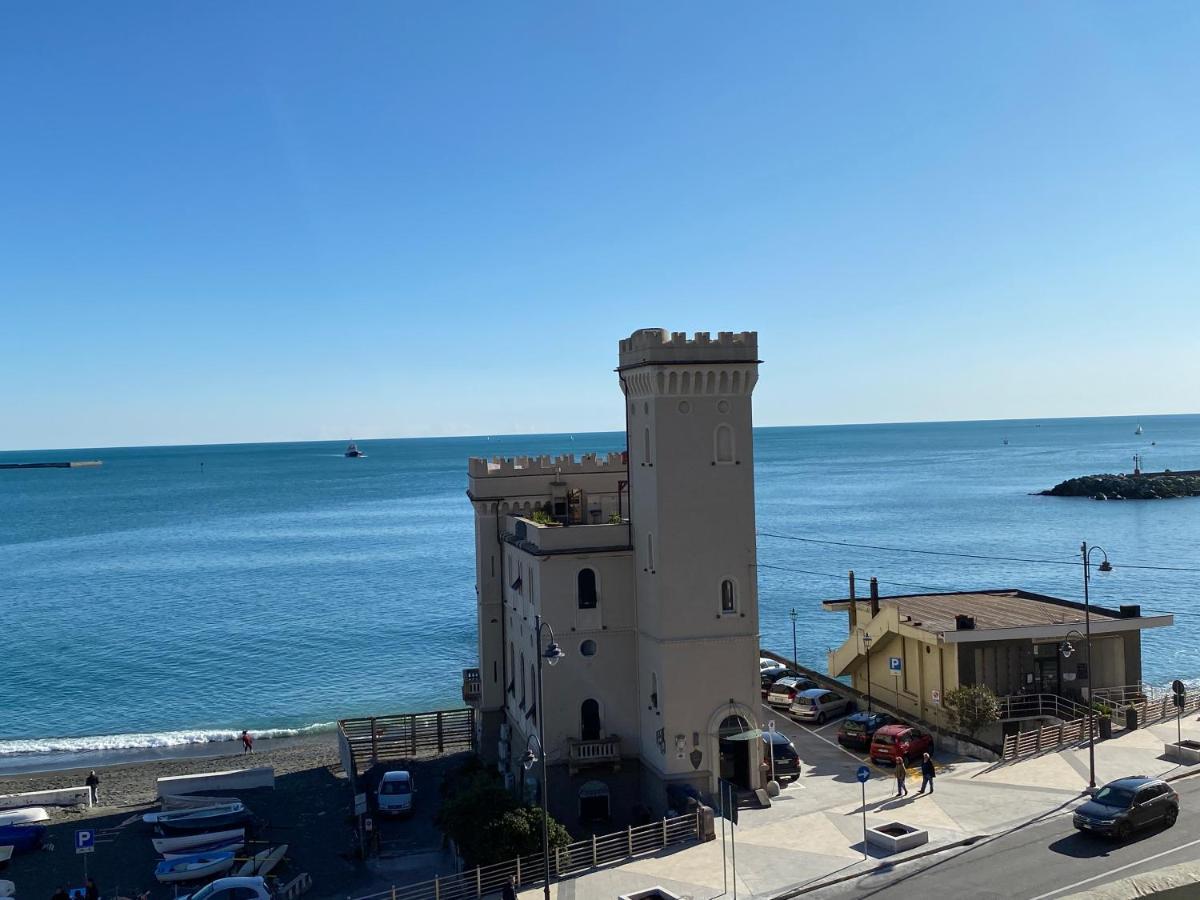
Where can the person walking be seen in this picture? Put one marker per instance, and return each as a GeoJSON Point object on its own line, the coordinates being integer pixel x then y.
{"type": "Point", "coordinates": [510, 889]}
{"type": "Point", "coordinates": [247, 742]}
{"type": "Point", "coordinates": [901, 773]}
{"type": "Point", "coordinates": [927, 774]}
{"type": "Point", "coordinates": [93, 783]}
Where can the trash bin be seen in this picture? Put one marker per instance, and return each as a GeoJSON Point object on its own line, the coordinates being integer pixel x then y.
{"type": "Point", "coordinates": [1130, 718]}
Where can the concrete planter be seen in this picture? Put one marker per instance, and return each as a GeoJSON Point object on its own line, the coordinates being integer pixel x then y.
{"type": "Point", "coordinates": [896, 837]}
{"type": "Point", "coordinates": [654, 893]}
{"type": "Point", "coordinates": [1184, 752]}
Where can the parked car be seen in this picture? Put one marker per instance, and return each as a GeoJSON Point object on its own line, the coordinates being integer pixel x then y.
{"type": "Point", "coordinates": [818, 705]}
{"type": "Point", "coordinates": [235, 888]}
{"type": "Point", "coordinates": [765, 662]}
{"type": "Point", "coordinates": [892, 742]}
{"type": "Point", "coordinates": [858, 728]}
{"type": "Point", "coordinates": [395, 795]}
{"type": "Point", "coordinates": [1126, 805]}
{"type": "Point", "coordinates": [773, 674]}
{"type": "Point", "coordinates": [784, 691]}
{"type": "Point", "coordinates": [787, 760]}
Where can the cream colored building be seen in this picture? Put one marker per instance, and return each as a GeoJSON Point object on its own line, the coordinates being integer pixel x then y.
{"type": "Point", "coordinates": [643, 564]}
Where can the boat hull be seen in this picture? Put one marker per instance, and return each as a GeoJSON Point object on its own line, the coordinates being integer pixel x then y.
{"type": "Point", "coordinates": [29, 815]}
{"type": "Point", "coordinates": [22, 837]}
{"type": "Point", "coordinates": [192, 868]}
{"type": "Point", "coordinates": [226, 847]}
{"type": "Point", "coordinates": [184, 841]}
{"type": "Point", "coordinates": [185, 825]}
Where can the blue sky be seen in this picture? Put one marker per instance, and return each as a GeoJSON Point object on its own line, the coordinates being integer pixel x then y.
{"type": "Point", "coordinates": [233, 222]}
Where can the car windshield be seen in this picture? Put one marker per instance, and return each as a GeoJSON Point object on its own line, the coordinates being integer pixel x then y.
{"type": "Point", "coordinates": [884, 739]}
{"type": "Point", "coordinates": [805, 701]}
{"type": "Point", "coordinates": [395, 787]}
{"type": "Point", "coordinates": [852, 725]}
{"type": "Point", "coordinates": [1114, 796]}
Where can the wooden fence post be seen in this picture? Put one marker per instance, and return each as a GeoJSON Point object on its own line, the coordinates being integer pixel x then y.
{"type": "Point", "coordinates": [437, 888]}
{"type": "Point", "coordinates": [441, 742]}
{"type": "Point", "coordinates": [595, 858]}
{"type": "Point", "coordinates": [393, 892]}
{"type": "Point", "coordinates": [412, 734]}
{"type": "Point", "coordinates": [518, 870]}
{"type": "Point", "coordinates": [629, 837]}
{"type": "Point", "coordinates": [478, 883]}
{"type": "Point", "coordinates": [374, 742]}
{"type": "Point", "coordinates": [664, 830]}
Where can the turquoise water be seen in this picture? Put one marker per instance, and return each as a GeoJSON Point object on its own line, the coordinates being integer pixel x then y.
{"type": "Point", "coordinates": [178, 594]}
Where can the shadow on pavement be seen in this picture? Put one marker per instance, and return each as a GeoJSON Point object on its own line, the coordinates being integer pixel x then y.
{"type": "Point", "coordinates": [1091, 846]}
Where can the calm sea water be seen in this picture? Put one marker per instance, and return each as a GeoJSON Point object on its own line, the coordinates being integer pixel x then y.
{"type": "Point", "coordinates": [178, 594]}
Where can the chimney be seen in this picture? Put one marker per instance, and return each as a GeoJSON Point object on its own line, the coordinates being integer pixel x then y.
{"type": "Point", "coordinates": [1130, 610]}
{"type": "Point", "coordinates": [874, 596]}
{"type": "Point", "coordinates": [964, 623]}
{"type": "Point", "coordinates": [853, 605]}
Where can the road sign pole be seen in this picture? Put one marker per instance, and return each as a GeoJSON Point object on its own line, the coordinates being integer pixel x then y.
{"type": "Point", "coordinates": [721, 808]}
{"type": "Point", "coordinates": [864, 814]}
{"type": "Point", "coordinates": [733, 844]}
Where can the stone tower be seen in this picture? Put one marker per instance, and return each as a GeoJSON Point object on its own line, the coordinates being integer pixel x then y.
{"type": "Point", "coordinates": [691, 499]}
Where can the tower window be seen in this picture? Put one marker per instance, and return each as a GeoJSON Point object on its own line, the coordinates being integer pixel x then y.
{"type": "Point", "coordinates": [723, 444]}
{"type": "Point", "coordinates": [586, 588]}
{"type": "Point", "coordinates": [728, 597]}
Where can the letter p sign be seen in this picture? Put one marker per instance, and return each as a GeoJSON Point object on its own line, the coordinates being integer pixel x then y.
{"type": "Point", "coordinates": [85, 841]}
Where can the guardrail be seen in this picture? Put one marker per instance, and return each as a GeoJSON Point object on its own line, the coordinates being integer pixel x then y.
{"type": "Point", "coordinates": [1033, 706]}
{"type": "Point", "coordinates": [570, 860]}
{"type": "Point", "coordinates": [365, 742]}
{"type": "Point", "coordinates": [1149, 711]}
{"type": "Point", "coordinates": [1048, 737]}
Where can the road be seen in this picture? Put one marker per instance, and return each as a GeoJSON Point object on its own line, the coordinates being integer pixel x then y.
{"type": "Point", "coordinates": [1038, 862]}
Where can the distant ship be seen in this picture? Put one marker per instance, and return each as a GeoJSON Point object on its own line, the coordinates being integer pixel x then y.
{"type": "Point", "coordinates": [354, 452]}
{"type": "Point", "coordinates": [1139, 430]}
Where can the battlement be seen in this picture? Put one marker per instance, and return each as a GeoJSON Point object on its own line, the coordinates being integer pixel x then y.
{"type": "Point", "coordinates": [566, 464]}
{"type": "Point", "coordinates": [657, 345]}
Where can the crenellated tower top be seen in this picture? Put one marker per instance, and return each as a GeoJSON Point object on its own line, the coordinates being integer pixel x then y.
{"type": "Point", "coordinates": [566, 464]}
{"type": "Point", "coordinates": [657, 346]}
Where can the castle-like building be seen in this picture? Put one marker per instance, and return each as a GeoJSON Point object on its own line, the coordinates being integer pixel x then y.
{"type": "Point", "coordinates": [642, 563]}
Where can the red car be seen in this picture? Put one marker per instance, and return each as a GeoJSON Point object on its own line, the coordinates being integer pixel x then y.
{"type": "Point", "coordinates": [892, 742]}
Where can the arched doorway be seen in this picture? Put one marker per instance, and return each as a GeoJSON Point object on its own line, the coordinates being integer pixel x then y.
{"type": "Point", "coordinates": [735, 742]}
{"type": "Point", "coordinates": [589, 720]}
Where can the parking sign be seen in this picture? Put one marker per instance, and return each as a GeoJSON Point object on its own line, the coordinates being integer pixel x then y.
{"type": "Point", "coordinates": [894, 665]}
{"type": "Point", "coordinates": [85, 841]}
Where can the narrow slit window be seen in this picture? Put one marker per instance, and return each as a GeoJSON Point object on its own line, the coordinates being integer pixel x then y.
{"type": "Point", "coordinates": [728, 597]}
{"type": "Point", "coordinates": [723, 444]}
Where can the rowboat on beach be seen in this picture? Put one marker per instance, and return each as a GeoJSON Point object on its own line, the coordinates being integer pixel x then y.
{"type": "Point", "coordinates": [29, 815]}
{"type": "Point", "coordinates": [191, 868]}
{"type": "Point", "coordinates": [216, 847]}
{"type": "Point", "coordinates": [262, 863]}
{"type": "Point", "coordinates": [22, 837]}
{"type": "Point", "coordinates": [204, 820]}
{"type": "Point", "coordinates": [194, 841]}
{"type": "Point", "coordinates": [158, 818]}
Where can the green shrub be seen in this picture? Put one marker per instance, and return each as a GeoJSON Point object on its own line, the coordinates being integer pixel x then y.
{"type": "Point", "coordinates": [971, 707]}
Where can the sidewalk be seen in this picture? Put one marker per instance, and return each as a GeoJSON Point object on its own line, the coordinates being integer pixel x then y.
{"type": "Point", "coordinates": [813, 831]}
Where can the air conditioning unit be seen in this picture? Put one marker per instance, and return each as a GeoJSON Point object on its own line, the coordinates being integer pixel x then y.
{"type": "Point", "coordinates": [510, 781]}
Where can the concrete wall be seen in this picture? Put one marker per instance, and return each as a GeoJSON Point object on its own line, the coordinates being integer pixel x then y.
{"type": "Point", "coordinates": [74, 796]}
{"type": "Point", "coordinates": [207, 782]}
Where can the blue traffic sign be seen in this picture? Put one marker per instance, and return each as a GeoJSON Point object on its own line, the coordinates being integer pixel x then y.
{"type": "Point", "coordinates": [894, 664]}
{"type": "Point", "coordinates": [863, 774]}
{"type": "Point", "coordinates": [85, 841]}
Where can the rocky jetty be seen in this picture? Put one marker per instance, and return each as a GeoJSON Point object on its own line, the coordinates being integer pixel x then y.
{"type": "Point", "coordinates": [1156, 486]}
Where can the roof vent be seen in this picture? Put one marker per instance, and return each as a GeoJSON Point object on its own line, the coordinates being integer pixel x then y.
{"type": "Point", "coordinates": [1130, 610]}
{"type": "Point", "coordinates": [964, 623]}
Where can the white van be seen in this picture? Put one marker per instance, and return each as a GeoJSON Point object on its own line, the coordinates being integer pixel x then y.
{"type": "Point", "coordinates": [395, 795]}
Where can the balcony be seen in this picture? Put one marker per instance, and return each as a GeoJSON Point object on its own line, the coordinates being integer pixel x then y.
{"type": "Point", "coordinates": [472, 687]}
{"type": "Point", "coordinates": [605, 751]}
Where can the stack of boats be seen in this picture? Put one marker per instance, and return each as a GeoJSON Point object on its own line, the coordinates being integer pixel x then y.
{"type": "Point", "coordinates": [203, 841]}
{"type": "Point", "coordinates": [20, 831]}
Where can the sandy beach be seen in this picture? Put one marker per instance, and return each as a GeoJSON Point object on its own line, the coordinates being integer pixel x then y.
{"type": "Point", "coordinates": [309, 809]}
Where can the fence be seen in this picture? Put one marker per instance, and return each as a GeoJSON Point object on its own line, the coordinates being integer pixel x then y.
{"type": "Point", "coordinates": [1048, 737]}
{"type": "Point", "coordinates": [1031, 706]}
{"type": "Point", "coordinates": [365, 742]}
{"type": "Point", "coordinates": [570, 860]}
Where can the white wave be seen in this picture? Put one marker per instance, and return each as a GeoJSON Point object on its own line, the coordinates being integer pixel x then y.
{"type": "Point", "coordinates": [152, 740]}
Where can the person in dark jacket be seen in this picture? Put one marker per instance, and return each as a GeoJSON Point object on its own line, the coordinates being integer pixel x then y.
{"type": "Point", "coordinates": [927, 774]}
{"type": "Point", "coordinates": [510, 889]}
{"type": "Point", "coordinates": [93, 783]}
{"type": "Point", "coordinates": [901, 773]}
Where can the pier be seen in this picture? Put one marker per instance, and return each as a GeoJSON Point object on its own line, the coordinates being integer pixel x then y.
{"type": "Point", "coordinates": [74, 464]}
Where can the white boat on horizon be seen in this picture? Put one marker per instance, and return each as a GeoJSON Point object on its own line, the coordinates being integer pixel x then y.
{"type": "Point", "coordinates": [203, 839]}
{"type": "Point", "coordinates": [354, 453]}
{"type": "Point", "coordinates": [27, 815]}
{"type": "Point", "coordinates": [1139, 430]}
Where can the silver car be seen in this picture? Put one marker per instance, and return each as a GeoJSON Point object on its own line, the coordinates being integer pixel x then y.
{"type": "Point", "coordinates": [817, 705]}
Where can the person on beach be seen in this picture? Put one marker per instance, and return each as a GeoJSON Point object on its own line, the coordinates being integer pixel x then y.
{"type": "Point", "coordinates": [901, 773]}
{"type": "Point", "coordinates": [510, 889]}
{"type": "Point", "coordinates": [93, 783]}
{"type": "Point", "coordinates": [247, 742]}
{"type": "Point", "coordinates": [927, 774]}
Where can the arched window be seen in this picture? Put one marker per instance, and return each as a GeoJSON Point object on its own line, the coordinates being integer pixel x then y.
{"type": "Point", "coordinates": [728, 597]}
{"type": "Point", "coordinates": [723, 444]}
{"type": "Point", "coordinates": [585, 583]}
{"type": "Point", "coordinates": [589, 720]}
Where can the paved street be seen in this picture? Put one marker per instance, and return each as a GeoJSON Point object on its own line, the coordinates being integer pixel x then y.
{"type": "Point", "coordinates": [1040, 862]}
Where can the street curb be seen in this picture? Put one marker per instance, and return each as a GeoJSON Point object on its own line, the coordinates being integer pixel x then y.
{"type": "Point", "coordinates": [809, 888]}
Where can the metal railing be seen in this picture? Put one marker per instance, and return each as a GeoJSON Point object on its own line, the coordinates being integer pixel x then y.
{"type": "Point", "coordinates": [590, 753]}
{"type": "Point", "coordinates": [472, 686]}
{"type": "Point", "coordinates": [1035, 706]}
{"type": "Point", "coordinates": [572, 859]}
{"type": "Point", "coordinates": [367, 741]}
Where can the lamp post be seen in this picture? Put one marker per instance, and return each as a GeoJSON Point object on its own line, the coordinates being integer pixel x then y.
{"type": "Point", "coordinates": [866, 639]}
{"type": "Point", "coordinates": [1105, 566]}
{"type": "Point", "coordinates": [794, 615]}
{"type": "Point", "coordinates": [551, 654]}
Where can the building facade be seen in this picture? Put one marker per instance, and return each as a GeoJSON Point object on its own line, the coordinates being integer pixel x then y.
{"type": "Point", "coordinates": [642, 566]}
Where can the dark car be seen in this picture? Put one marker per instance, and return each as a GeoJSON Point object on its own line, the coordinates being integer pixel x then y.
{"type": "Point", "coordinates": [787, 760]}
{"type": "Point", "coordinates": [858, 728]}
{"type": "Point", "coordinates": [892, 742]}
{"type": "Point", "coordinates": [772, 674]}
{"type": "Point", "coordinates": [1123, 806]}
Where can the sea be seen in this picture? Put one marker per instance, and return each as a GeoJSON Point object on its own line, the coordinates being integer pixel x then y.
{"type": "Point", "coordinates": [176, 595]}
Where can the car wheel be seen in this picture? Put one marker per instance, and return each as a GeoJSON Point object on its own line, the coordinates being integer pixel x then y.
{"type": "Point", "coordinates": [1171, 816]}
{"type": "Point", "coordinates": [820, 718]}
{"type": "Point", "coordinates": [1124, 830]}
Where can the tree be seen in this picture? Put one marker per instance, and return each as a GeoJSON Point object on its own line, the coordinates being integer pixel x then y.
{"type": "Point", "coordinates": [519, 833]}
{"type": "Point", "coordinates": [971, 707]}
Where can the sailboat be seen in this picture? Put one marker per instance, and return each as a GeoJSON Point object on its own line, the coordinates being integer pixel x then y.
{"type": "Point", "coordinates": [1139, 430]}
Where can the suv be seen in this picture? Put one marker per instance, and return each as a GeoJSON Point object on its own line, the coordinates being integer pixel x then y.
{"type": "Point", "coordinates": [858, 728]}
{"type": "Point", "coordinates": [817, 705]}
{"type": "Point", "coordinates": [787, 760]}
{"type": "Point", "coordinates": [1127, 804]}
{"type": "Point", "coordinates": [784, 691]}
{"type": "Point", "coordinates": [395, 794]}
{"type": "Point", "coordinates": [892, 742]}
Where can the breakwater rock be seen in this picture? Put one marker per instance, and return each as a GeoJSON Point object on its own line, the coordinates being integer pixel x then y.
{"type": "Point", "coordinates": [1156, 486]}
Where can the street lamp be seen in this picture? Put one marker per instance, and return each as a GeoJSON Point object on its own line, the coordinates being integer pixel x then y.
{"type": "Point", "coordinates": [794, 615]}
{"type": "Point", "coordinates": [551, 654]}
{"type": "Point", "coordinates": [1105, 566]}
{"type": "Point", "coordinates": [866, 639]}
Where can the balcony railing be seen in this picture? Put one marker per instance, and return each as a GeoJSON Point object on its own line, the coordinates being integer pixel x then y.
{"type": "Point", "coordinates": [604, 751]}
{"type": "Point", "coordinates": [472, 686]}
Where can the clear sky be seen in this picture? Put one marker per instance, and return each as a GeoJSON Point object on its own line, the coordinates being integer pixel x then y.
{"type": "Point", "coordinates": [274, 221]}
